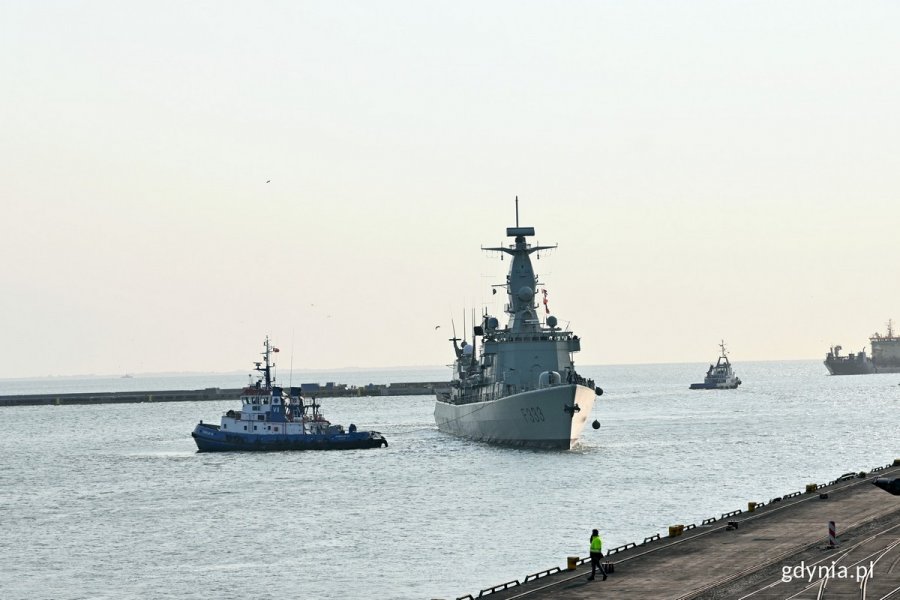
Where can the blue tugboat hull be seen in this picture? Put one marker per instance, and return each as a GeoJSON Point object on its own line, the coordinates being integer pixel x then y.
{"type": "Point", "coordinates": [211, 438]}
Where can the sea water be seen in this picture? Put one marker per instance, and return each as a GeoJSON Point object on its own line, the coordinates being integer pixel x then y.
{"type": "Point", "coordinates": [113, 501]}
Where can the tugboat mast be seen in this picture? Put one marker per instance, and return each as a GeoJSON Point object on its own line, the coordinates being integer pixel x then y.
{"type": "Point", "coordinates": [267, 370]}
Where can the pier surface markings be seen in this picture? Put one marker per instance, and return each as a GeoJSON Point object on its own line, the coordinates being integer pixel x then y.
{"type": "Point", "coordinates": [749, 562]}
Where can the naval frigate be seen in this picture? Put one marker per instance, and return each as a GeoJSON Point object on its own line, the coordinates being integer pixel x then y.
{"type": "Point", "coordinates": [520, 388]}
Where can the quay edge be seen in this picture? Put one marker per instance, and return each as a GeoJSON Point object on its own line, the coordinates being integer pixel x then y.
{"type": "Point", "coordinates": [744, 551]}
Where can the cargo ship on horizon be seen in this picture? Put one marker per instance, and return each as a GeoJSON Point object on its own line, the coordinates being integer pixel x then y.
{"type": "Point", "coordinates": [885, 357]}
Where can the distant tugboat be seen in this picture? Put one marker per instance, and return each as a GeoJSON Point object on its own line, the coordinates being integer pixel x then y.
{"type": "Point", "coordinates": [269, 420]}
{"type": "Point", "coordinates": [719, 376]}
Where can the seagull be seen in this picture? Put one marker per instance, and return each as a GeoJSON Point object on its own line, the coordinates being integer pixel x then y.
{"type": "Point", "coordinates": [268, 180]}
{"type": "Point", "coordinates": [436, 327]}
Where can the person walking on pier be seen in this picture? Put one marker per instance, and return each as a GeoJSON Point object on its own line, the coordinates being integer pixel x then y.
{"type": "Point", "coordinates": [596, 555]}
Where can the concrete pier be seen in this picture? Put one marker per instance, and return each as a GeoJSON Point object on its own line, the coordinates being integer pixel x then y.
{"type": "Point", "coordinates": [779, 550]}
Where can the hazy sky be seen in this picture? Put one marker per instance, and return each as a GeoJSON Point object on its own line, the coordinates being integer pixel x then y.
{"type": "Point", "coordinates": [709, 169]}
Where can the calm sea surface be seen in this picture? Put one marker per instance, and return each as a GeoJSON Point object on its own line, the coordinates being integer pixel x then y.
{"type": "Point", "coordinates": [114, 501]}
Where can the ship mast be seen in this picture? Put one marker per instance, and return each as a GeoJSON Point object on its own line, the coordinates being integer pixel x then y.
{"type": "Point", "coordinates": [267, 370]}
{"type": "Point", "coordinates": [521, 282]}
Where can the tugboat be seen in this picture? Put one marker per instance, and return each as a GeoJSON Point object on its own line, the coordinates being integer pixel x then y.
{"type": "Point", "coordinates": [523, 389]}
{"type": "Point", "coordinates": [719, 376]}
{"type": "Point", "coordinates": [269, 420]}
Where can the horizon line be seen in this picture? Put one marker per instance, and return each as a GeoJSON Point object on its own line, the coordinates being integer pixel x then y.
{"type": "Point", "coordinates": [352, 369]}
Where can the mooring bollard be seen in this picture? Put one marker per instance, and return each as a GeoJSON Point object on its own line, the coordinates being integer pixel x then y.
{"type": "Point", "coordinates": [832, 535]}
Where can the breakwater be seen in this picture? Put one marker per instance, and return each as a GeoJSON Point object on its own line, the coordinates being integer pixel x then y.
{"type": "Point", "coordinates": [309, 390]}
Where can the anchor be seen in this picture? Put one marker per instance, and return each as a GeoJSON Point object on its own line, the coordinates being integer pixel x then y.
{"type": "Point", "coordinates": [572, 409]}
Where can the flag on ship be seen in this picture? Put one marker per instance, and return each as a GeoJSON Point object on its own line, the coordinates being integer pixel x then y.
{"type": "Point", "coordinates": [546, 306]}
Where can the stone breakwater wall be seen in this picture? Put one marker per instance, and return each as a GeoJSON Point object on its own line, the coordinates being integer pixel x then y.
{"type": "Point", "coordinates": [338, 391]}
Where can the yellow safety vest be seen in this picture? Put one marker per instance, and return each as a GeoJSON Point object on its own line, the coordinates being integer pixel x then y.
{"type": "Point", "coordinates": [596, 544]}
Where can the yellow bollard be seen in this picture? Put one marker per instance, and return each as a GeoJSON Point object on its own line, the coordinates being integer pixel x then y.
{"type": "Point", "coordinates": [897, 462]}
{"type": "Point", "coordinates": [571, 563]}
{"type": "Point", "coordinates": [675, 530]}
{"type": "Point", "coordinates": [751, 506]}
{"type": "Point", "coordinates": [811, 487]}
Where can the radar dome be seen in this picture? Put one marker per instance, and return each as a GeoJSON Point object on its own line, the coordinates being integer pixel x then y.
{"type": "Point", "coordinates": [493, 323]}
{"type": "Point", "coordinates": [551, 321]}
{"type": "Point", "coordinates": [526, 293]}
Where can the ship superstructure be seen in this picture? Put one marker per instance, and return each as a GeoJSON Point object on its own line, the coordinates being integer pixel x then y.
{"type": "Point", "coordinates": [521, 387]}
{"type": "Point", "coordinates": [886, 350]}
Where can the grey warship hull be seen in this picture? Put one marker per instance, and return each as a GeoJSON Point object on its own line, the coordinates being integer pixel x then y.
{"type": "Point", "coordinates": [542, 418]}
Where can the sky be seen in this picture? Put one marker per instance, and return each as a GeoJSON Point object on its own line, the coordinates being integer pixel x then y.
{"type": "Point", "coordinates": [179, 180]}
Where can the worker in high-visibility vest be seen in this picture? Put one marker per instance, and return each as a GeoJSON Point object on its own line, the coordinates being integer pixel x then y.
{"type": "Point", "coordinates": [596, 555]}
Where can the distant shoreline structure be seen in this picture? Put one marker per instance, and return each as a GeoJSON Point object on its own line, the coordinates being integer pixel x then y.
{"type": "Point", "coordinates": [329, 390]}
{"type": "Point", "coordinates": [368, 370]}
